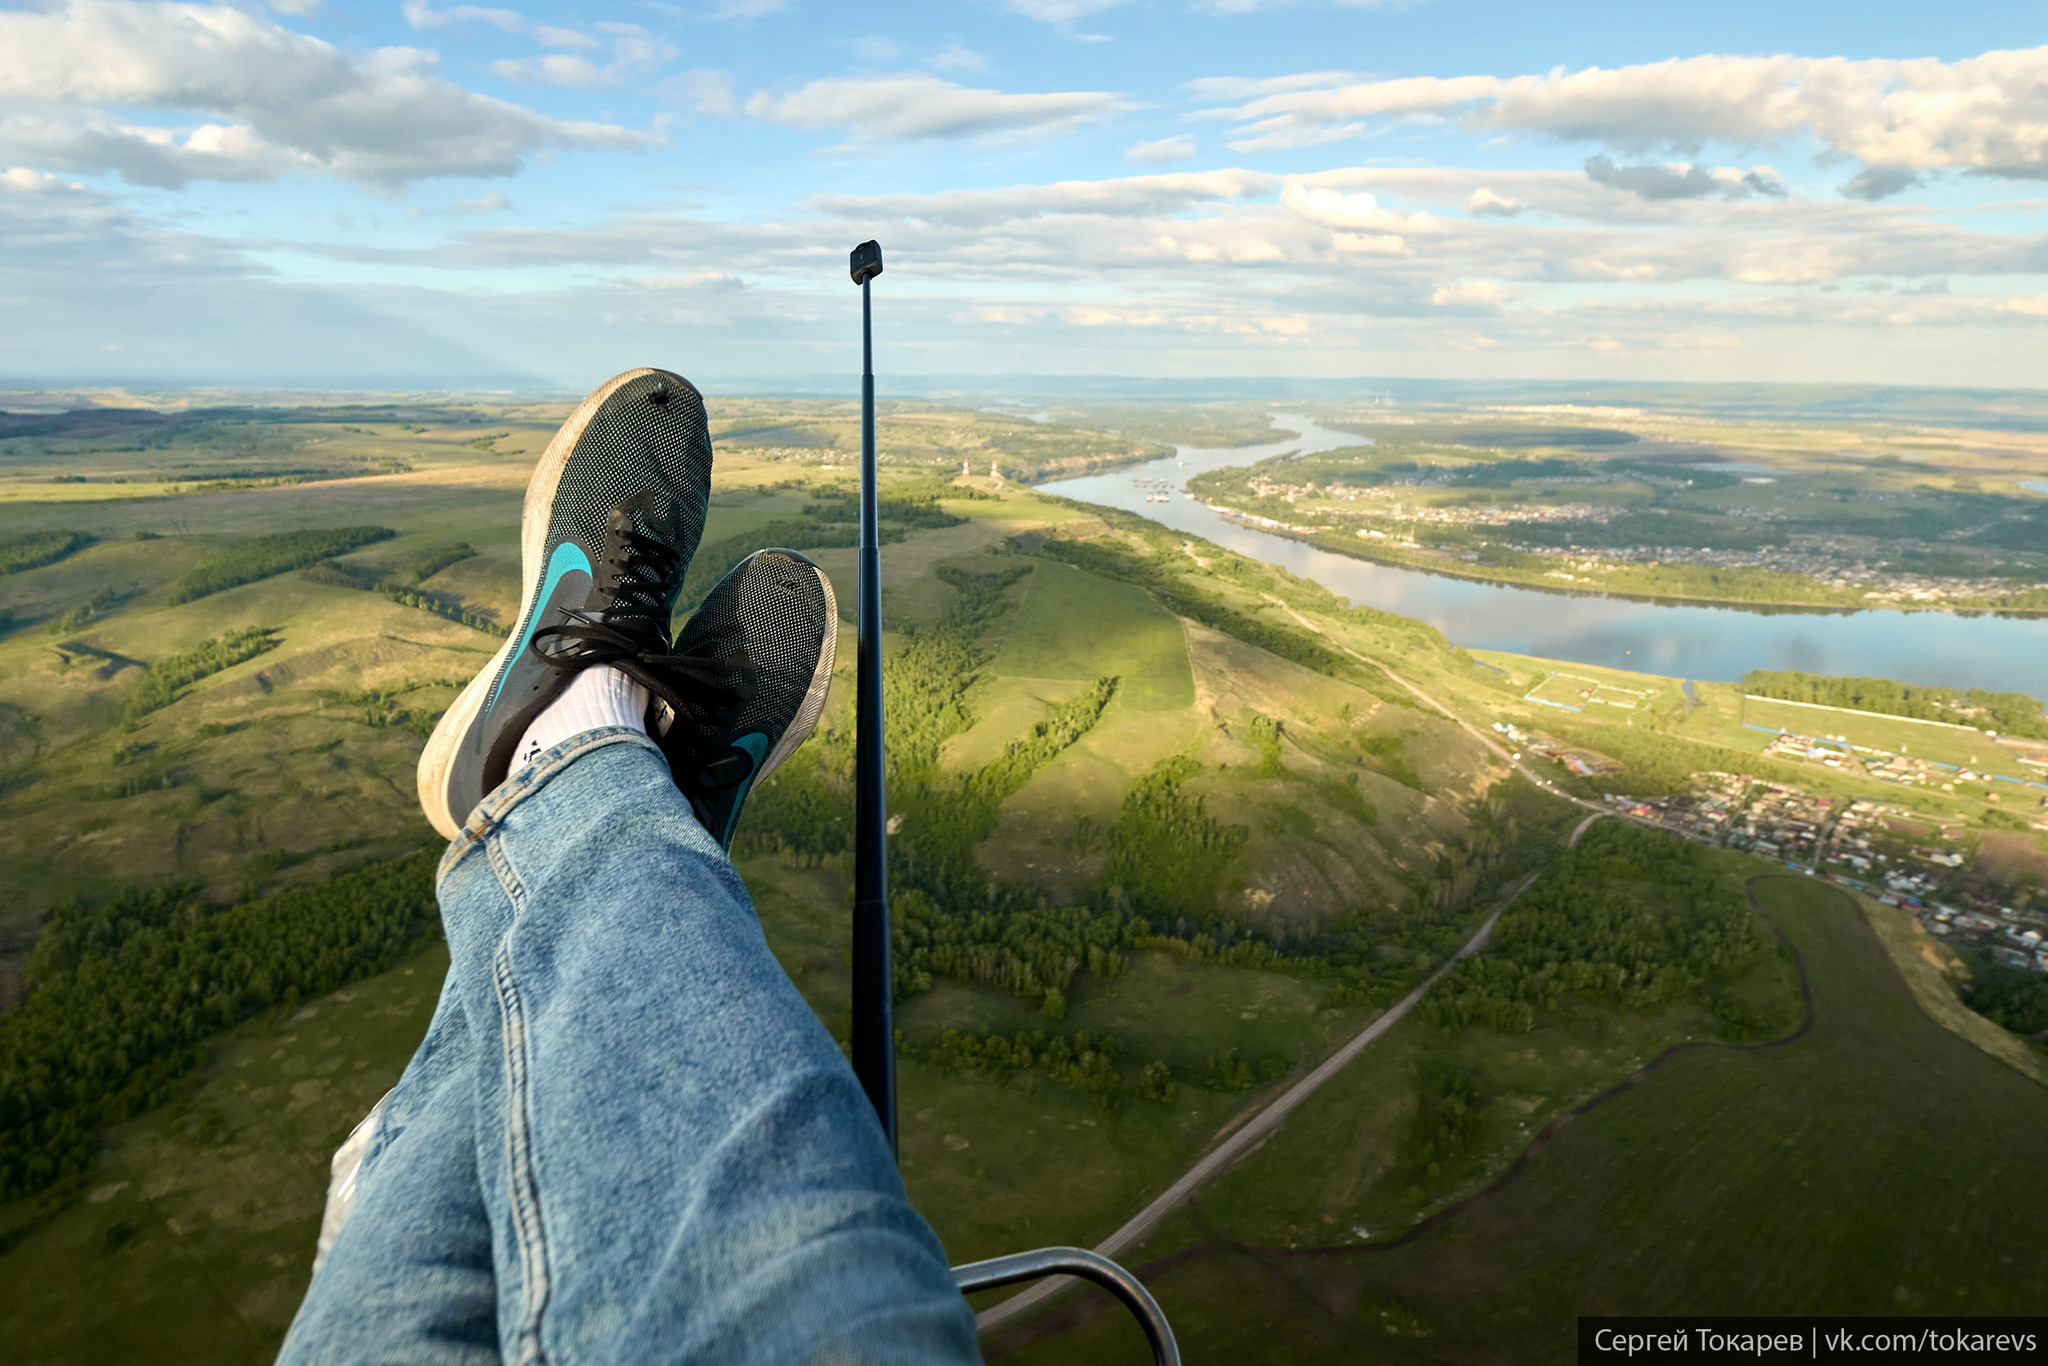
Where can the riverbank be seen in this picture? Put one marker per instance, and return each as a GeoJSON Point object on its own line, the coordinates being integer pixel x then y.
{"type": "Point", "coordinates": [1685, 639]}
{"type": "Point", "coordinates": [1450, 565]}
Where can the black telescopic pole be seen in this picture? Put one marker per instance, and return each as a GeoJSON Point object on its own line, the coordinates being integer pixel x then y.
{"type": "Point", "coordinates": [874, 1035]}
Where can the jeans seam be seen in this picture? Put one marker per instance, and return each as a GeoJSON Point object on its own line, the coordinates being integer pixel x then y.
{"type": "Point", "coordinates": [521, 1182]}
{"type": "Point", "coordinates": [498, 803]}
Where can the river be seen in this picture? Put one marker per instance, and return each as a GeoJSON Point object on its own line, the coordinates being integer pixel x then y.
{"type": "Point", "coordinates": [1943, 648]}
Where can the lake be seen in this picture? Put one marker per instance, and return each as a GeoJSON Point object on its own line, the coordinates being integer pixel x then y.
{"type": "Point", "coordinates": [1686, 641]}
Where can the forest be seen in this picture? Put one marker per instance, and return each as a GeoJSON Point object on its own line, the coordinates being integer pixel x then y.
{"type": "Point", "coordinates": [1631, 917]}
{"type": "Point", "coordinates": [126, 991]}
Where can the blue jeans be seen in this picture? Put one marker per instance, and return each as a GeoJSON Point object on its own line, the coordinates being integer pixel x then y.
{"type": "Point", "coordinates": [625, 1137]}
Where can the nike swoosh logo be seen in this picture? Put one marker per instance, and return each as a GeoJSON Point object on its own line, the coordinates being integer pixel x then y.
{"type": "Point", "coordinates": [567, 559]}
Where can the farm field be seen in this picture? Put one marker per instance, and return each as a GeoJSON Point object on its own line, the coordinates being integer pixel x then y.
{"type": "Point", "coordinates": [1727, 1181]}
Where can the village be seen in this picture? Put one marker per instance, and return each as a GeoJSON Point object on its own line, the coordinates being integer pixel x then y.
{"type": "Point", "coordinates": [1903, 858]}
{"type": "Point", "coordinates": [1853, 564]}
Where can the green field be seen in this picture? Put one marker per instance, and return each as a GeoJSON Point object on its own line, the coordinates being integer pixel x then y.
{"type": "Point", "coordinates": [1075, 625]}
{"type": "Point", "coordinates": [1727, 1181]}
{"type": "Point", "coordinates": [1584, 692]}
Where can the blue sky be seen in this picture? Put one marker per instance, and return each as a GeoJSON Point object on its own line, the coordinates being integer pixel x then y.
{"type": "Point", "coordinates": [416, 193]}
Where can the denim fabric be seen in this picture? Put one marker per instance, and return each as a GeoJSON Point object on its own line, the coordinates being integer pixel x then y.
{"type": "Point", "coordinates": [625, 1137]}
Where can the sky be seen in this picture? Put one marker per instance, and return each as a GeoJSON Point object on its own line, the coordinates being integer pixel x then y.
{"type": "Point", "coordinates": [353, 193]}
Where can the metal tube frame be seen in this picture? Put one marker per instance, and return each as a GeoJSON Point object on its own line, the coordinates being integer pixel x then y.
{"type": "Point", "coordinates": [1076, 1261]}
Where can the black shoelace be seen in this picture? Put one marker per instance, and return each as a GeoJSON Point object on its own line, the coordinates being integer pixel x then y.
{"type": "Point", "coordinates": [631, 635]}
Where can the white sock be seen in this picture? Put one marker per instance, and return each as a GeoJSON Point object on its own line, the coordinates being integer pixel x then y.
{"type": "Point", "coordinates": [595, 698]}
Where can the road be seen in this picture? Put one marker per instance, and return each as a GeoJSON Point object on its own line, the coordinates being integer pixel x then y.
{"type": "Point", "coordinates": [1264, 1122]}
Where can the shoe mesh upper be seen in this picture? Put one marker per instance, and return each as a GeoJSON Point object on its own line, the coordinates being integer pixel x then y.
{"type": "Point", "coordinates": [634, 445]}
{"type": "Point", "coordinates": [774, 611]}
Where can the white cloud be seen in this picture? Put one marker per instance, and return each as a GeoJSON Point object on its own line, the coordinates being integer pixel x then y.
{"type": "Point", "coordinates": [1161, 151]}
{"type": "Point", "coordinates": [303, 9]}
{"type": "Point", "coordinates": [705, 90]}
{"type": "Point", "coordinates": [487, 203]}
{"type": "Point", "coordinates": [1252, 88]}
{"type": "Point", "coordinates": [1125, 197]}
{"type": "Point", "coordinates": [1060, 11]}
{"type": "Point", "coordinates": [420, 14]}
{"type": "Point", "coordinates": [279, 102]}
{"type": "Point", "coordinates": [916, 106]}
{"type": "Point", "coordinates": [1469, 294]}
{"type": "Point", "coordinates": [1484, 203]}
{"type": "Point", "coordinates": [1319, 202]}
{"type": "Point", "coordinates": [634, 50]}
{"type": "Point", "coordinates": [1982, 113]}
{"type": "Point", "coordinates": [1248, 6]}
{"type": "Point", "coordinates": [24, 181]}
{"type": "Point", "coordinates": [747, 9]}
{"type": "Point", "coordinates": [876, 50]}
{"type": "Point", "coordinates": [957, 58]}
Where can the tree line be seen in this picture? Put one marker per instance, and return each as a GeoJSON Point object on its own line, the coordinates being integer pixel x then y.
{"type": "Point", "coordinates": [123, 993]}
{"type": "Point", "coordinates": [259, 557]}
{"type": "Point", "coordinates": [170, 675]}
{"type": "Point", "coordinates": [2008, 713]}
{"type": "Point", "coordinates": [38, 548]}
{"type": "Point", "coordinates": [2011, 997]}
{"type": "Point", "coordinates": [333, 575]}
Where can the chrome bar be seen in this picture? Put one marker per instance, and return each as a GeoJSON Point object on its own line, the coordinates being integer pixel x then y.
{"type": "Point", "coordinates": [1077, 1261]}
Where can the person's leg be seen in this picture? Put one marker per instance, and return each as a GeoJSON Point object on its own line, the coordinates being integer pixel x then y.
{"type": "Point", "coordinates": [680, 1164]}
{"type": "Point", "coordinates": [409, 1277]}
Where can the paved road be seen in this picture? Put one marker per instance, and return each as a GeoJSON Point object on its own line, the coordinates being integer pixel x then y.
{"type": "Point", "coordinates": [1262, 1123]}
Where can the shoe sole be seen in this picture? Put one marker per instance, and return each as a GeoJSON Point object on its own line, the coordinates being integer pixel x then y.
{"type": "Point", "coordinates": [536, 514]}
{"type": "Point", "coordinates": [806, 718]}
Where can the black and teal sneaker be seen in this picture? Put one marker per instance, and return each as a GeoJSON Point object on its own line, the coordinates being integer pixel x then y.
{"type": "Point", "coordinates": [772, 625]}
{"type": "Point", "coordinates": [613, 514]}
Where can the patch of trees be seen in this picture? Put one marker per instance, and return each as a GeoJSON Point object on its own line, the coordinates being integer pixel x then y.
{"type": "Point", "coordinates": [950, 919]}
{"type": "Point", "coordinates": [1080, 1062]}
{"type": "Point", "coordinates": [1448, 1116]}
{"type": "Point", "coordinates": [259, 557]}
{"type": "Point", "coordinates": [172, 674]}
{"type": "Point", "coordinates": [91, 610]}
{"type": "Point", "coordinates": [334, 575]}
{"type": "Point", "coordinates": [1184, 597]}
{"type": "Point", "coordinates": [1226, 1071]}
{"type": "Point", "coordinates": [1168, 857]}
{"type": "Point", "coordinates": [1632, 918]}
{"type": "Point", "coordinates": [2011, 997]}
{"type": "Point", "coordinates": [38, 548]}
{"type": "Point", "coordinates": [122, 994]}
{"type": "Point", "coordinates": [440, 557]}
{"type": "Point", "coordinates": [2008, 713]}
